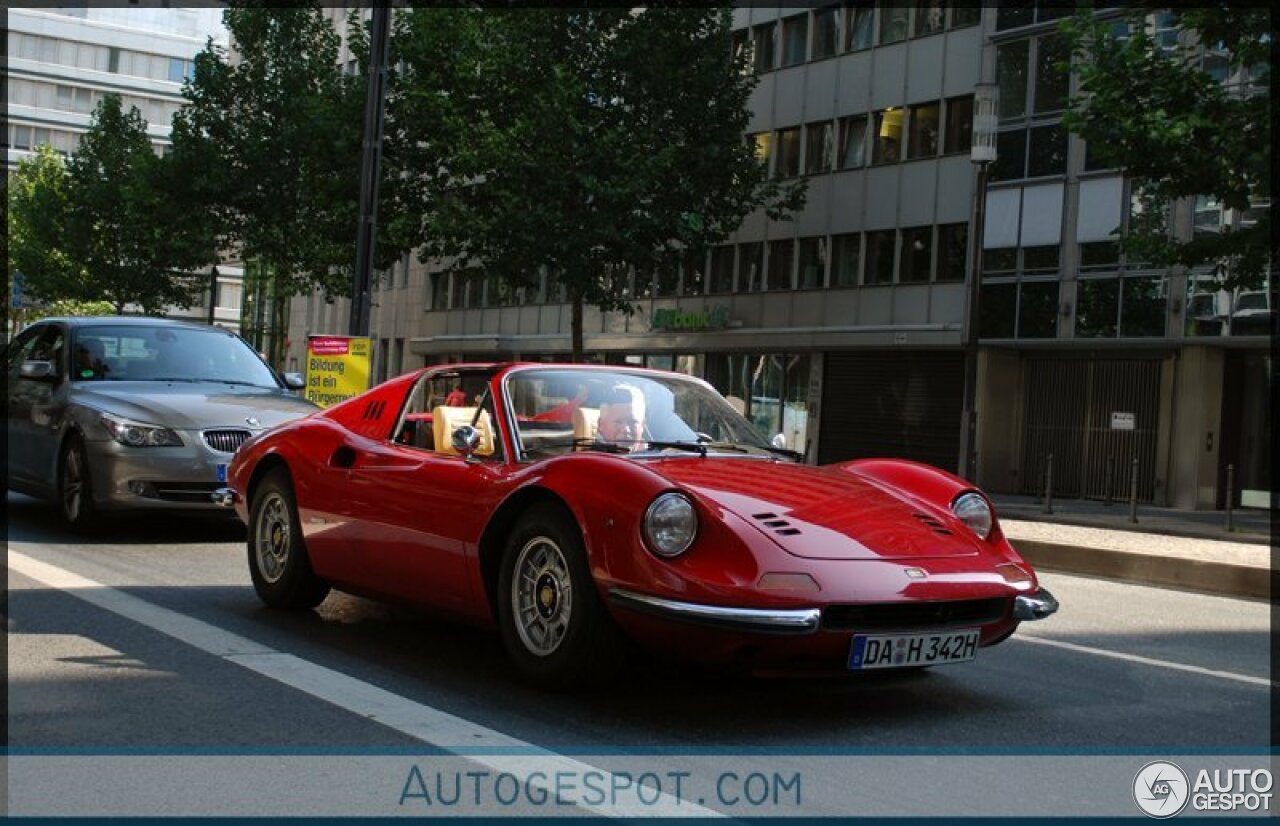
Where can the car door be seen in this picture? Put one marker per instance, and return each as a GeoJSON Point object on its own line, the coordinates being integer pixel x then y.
{"type": "Point", "coordinates": [35, 406]}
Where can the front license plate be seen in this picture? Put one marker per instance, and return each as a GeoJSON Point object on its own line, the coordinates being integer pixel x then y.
{"type": "Point", "coordinates": [222, 473]}
{"type": "Point", "coordinates": [904, 650]}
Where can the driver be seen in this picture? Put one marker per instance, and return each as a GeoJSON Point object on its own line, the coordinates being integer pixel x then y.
{"type": "Point", "coordinates": [622, 417]}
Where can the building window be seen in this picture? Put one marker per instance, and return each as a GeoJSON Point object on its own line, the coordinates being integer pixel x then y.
{"type": "Point", "coordinates": [819, 147]}
{"type": "Point", "coordinates": [859, 27]}
{"type": "Point", "coordinates": [1011, 75]}
{"type": "Point", "coordinates": [1097, 307]}
{"type": "Point", "coordinates": [893, 22]}
{"type": "Point", "coordinates": [846, 253]}
{"type": "Point", "coordinates": [780, 262]}
{"type": "Point", "coordinates": [750, 267]}
{"type": "Point", "coordinates": [824, 32]}
{"type": "Point", "coordinates": [997, 310]}
{"type": "Point", "coordinates": [788, 165]}
{"type": "Point", "coordinates": [887, 137]}
{"type": "Point", "coordinates": [795, 36]}
{"type": "Point", "coordinates": [693, 270]}
{"type": "Point", "coordinates": [953, 251]}
{"type": "Point", "coordinates": [929, 19]}
{"type": "Point", "coordinates": [721, 269]}
{"type": "Point", "coordinates": [959, 134]}
{"type": "Point", "coordinates": [922, 137]}
{"type": "Point", "coordinates": [229, 295]}
{"type": "Point", "coordinates": [965, 15]}
{"type": "Point", "coordinates": [1142, 307]}
{"type": "Point", "coordinates": [917, 254]}
{"type": "Point", "coordinates": [742, 50]}
{"type": "Point", "coordinates": [763, 145]}
{"type": "Point", "coordinates": [813, 263]}
{"type": "Point", "coordinates": [880, 250]}
{"type": "Point", "coordinates": [667, 280]}
{"type": "Point", "coordinates": [1038, 309]}
{"type": "Point", "coordinates": [763, 48]}
{"type": "Point", "coordinates": [1051, 88]}
{"type": "Point", "coordinates": [853, 142]}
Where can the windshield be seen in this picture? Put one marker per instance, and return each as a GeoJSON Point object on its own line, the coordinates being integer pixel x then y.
{"type": "Point", "coordinates": [558, 409]}
{"type": "Point", "coordinates": [165, 353]}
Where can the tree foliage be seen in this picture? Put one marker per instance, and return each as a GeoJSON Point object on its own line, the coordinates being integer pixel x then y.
{"type": "Point", "coordinates": [36, 224]}
{"type": "Point", "coordinates": [1178, 132]}
{"type": "Point", "coordinates": [579, 140]}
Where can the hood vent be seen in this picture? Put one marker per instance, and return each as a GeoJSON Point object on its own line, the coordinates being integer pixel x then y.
{"type": "Point", "coordinates": [779, 526]}
{"type": "Point", "coordinates": [934, 525]}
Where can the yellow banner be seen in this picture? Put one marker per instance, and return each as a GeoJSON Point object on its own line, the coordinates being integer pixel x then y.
{"type": "Point", "coordinates": [337, 368]}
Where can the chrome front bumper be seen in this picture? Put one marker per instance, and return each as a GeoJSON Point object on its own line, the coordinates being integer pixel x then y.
{"type": "Point", "coordinates": [1034, 607]}
{"type": "Point", "coordinates": [762, 620]}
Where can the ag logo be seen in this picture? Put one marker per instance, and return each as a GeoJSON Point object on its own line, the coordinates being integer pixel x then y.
{"type": "Point", "coordinates": [1161, 789]}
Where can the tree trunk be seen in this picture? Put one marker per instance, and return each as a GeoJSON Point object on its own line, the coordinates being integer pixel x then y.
{"type": "Point", "coordinates": [576, 327]}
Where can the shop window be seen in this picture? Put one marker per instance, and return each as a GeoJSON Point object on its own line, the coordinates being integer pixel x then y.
{"type": "Point", "coordinates": [1038, 309]}
{"type": "Point", "coordinates": [880, 250]}
{"type": "Point", "coordinates": [917, 254]}
{"type": "Point", "coordinates": [846, 253]}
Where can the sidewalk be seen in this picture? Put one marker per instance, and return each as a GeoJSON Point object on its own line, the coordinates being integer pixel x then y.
{"type": "Point", "coordinates": [1185, 549]}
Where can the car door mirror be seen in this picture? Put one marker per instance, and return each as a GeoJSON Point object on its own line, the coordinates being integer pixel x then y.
{"type": "Point", "coordinates": [38, 371]}
{"type": "Point", "coordinates": [294, 381]}
{"type": "Point", "coordinates": [466, 440]}
{"type": "Point", "coordinates": [778, 440]}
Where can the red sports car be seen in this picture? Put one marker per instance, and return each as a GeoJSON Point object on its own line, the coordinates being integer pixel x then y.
{"type": "Point", "coordinates": [573, 506]}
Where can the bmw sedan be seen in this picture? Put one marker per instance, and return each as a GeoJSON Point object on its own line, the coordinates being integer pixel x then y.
{"type": "Point", "coordinates": [131, 412]}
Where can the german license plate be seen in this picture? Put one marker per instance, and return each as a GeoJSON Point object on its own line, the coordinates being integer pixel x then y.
{"type": "Point", "coordinates": [871, 651]}
{"type": "Point", "coordinates": [222, 473]}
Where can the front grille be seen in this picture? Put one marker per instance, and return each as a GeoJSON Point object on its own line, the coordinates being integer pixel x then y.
{"type": "Point", "coordinates": [904, 615]}
{"type": "Point", "coordinates": [226, 441]}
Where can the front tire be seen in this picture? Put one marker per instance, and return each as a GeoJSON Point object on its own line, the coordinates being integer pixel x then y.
{"type": "Point", "coordinates": [278, 561]}
{"type": "Point", "coordinates": [75, 486]}
{"type": "Point", "coordinates": [553, 623]}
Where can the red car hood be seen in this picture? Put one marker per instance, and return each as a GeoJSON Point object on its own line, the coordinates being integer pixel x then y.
{"type": "Point", "coordinates": [821, 513]}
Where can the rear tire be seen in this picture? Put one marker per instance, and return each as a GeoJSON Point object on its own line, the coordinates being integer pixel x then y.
{"type": "Point", "coordinates": [75, 486]}
{"type": "Point", "coordinates": [553, 623]}
{"type": "Point", "coordinates": [278, 560]}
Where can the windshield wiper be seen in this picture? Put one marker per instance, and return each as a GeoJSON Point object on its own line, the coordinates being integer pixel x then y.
{"type": "Point", "coordinates": [786, 451]}
{"type": "Point", "coordinates": [579, 442]}
{"type": "Point", "coordinates": [696, 447]}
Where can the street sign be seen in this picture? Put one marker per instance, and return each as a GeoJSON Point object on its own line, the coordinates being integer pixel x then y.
{"type": "Point", "coordinates": [16, 287]}
{"type": "Point", "coordinates": [1123, 421]}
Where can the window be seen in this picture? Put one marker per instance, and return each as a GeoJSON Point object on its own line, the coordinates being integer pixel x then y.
{"type": "Point", "coordinates": [953, 251]}
{"type": "Point", "coordinates": [438, 284]}
{"type": "Point", "coordinates": [667, 279]}
{"type": "Point", "coordinates": [721, 269]}
{"type": "Point", "coordinates": [997, 310]}
{"type": "Point", "coordinates": [741, 51]}
{"type": "Point", "coordinates": [1142, 307]}
{"type": "Point", "coordinates": [780, 255]}
{"type": "Point", "coordinates": [824, 32]}
{"type": "Point", "coordinates": [846, 251]}
{"type": "Point", "coordinates": [887, 137]}
{"type": "Point", "coordinates": [1011, 15]}
{"type": "Point", "coordinates": [229, 295]}
{"type": "Point", "coordinates": [1046, 151]}
{"type": "Point", "coordinates": [965, 15]}
{"type": "Point", "coordinates": [917, 254]}
{"type": "Point", "coordinates": [750, 267]}
{"type": "Point", "coordinates": [819, 147]}
{"type": "Point", "coordinates": [763, 144]}
{"type": "Point", "coordinates": [922, 139]}
{"type": "Point", "coordinates": [1051, 89]}
{"type": "Point", "coordinates": [929, 19]}
{"type": "Point", "coordinates": [178, 69]}
{"type": "Point", "coordinates": [693, 267]}
{"type": "Point", "coordinates": [1099, 256]}
{"type": "Point", "coordinates": [959, 134]}
{"type": "Point", "coordinates": [763, 49]}
{"type": "Point", "coordinates": [788, 165]}
{"type": "Point", "coordinates": [813, 263]}
{"type": "Point", "coordinates": [880, 250]}
{"type": "Point", "coordinates": [893, 22]}
{"type": "Point", "coordinates": [859, 29]}
{"type": "Point", "coordinates": [1097, 307]}
{"type": "Point", "coordinates": [1011, 76]}
{"type": "Point", "coordinates": [853, 142]}
{"type": "Point", "coordinates": [1038, 309]}
{"type": "Point", "coordinates": [795, 36]}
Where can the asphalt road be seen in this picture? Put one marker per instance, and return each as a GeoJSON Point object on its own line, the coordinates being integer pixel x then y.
{"type": "Point", "coordinates": [176, 654]}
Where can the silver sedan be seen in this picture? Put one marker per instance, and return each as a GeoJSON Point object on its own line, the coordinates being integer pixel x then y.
{"type": "Point", "coordinates": [127, 412]}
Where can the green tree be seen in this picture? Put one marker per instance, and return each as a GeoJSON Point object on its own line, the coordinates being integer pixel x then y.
{"type": "Point", "coordinates": [36, 226]}
{"type": "Point", "coordinates": [581, 141]}
{"type": "Point", "coordinates": [1178, 131]}
{"type": "Point", "coordinates": [270, 142]}
{"type": "Point", "coordinates": [68, 307]}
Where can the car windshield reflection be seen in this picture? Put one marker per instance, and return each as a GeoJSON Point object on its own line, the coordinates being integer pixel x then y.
{"type": "Point", "coordinates": [166, 353]}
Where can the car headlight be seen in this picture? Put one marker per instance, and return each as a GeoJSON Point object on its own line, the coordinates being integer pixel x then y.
{"type": "Point", "coordinates": [670, 524]}
{"type": "Point", "coordinates": [136, 434]}
{"type": "Point", "coordinates": [973, 510]}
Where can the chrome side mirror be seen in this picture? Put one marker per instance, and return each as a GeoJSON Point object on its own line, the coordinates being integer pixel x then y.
{"type": "Point", "coordinates": [466, 440]}
{"type": "Point", "coordinates": [778, 440]}
{"type": "Point", "coordinates": [294, 381]}
{"type": "Point", "coordinates": [37, 370]}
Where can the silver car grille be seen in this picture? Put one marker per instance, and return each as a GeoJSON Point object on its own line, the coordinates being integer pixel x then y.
{"type": "Point", "coordinates": [226, 441]}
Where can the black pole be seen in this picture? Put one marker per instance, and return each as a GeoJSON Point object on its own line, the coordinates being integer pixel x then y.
{"type": "Point", "coordinates": [969, 414]}
{"type": "Point", "coordinates": [213, 292]}
{"type": "Point", "coordinates": [370, 169]}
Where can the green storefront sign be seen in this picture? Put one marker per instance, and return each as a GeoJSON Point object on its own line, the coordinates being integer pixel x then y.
{"type": "Point", "coordinates": [712, 318]}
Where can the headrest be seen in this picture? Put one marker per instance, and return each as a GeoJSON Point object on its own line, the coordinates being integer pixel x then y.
{"type": "Point", "coordinates": [445, 420]}
{"type": "Point", "coordinates": [585, 422]}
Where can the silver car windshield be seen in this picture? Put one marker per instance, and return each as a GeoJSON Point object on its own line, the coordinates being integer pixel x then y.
{"type": "Point", "coordinates": [166, 353]}
{"type": "Point", "coordinates": [563, 408]}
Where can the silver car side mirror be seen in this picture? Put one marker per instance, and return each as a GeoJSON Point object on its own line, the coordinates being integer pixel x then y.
{"type": "Point", "coordinates": [466, 440]}
{"type": "Point", "coordinates": [778, 440]}
{"type": "Point", "coordinates": [37, 370]}
{"type": "Point", "coordinates": [294, 381]}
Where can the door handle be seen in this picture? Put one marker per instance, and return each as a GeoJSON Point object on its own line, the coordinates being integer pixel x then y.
{"type": "Point", "coordinates": [344, 457]}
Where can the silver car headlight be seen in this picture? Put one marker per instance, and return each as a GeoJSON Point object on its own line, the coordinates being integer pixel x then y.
{"type": "Point", "coordinates": [972, 509]}
{"type": "Point", "coordinates": [137, 434]}
{"type": "Point", "coordinates": [670, 524]}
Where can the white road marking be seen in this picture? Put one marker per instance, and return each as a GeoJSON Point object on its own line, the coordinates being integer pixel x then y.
{"type": "Point", "coordinates": [416, 720]}
{"type": "Point", "coordinates": [1135, 658]}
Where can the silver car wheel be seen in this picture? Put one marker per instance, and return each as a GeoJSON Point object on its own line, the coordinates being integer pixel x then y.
{"type": "Point", "coordinates": [541, 596]}
{"type": "Point", "coordinates": [272, 538]}
{"type": "Point", "coordinates": [72, 485]}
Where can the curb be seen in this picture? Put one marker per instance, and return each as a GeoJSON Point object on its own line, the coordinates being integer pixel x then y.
{"type": "Point", "coordinates": [1191, 574]}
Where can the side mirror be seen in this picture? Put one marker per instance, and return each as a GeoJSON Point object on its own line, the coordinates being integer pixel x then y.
{"type": "Point", "coordinates": [294, 381]}
{"type": "Point", "coordinates": [38, 370]}
{"type": "Point", "coordinates": [778, 440]}
{"type": "Point", "coordinates": [466, 440]}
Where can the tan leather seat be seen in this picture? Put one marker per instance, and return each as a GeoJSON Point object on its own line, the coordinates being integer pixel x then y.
{"type": "Point", "coordinates": [585, 422]}
{"type": "Point", "coordinates": [445, 420]}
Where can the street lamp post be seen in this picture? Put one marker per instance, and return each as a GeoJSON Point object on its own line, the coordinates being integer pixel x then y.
{"type": "Point", "coordinates": [370, 169]}
{"type": "Point", "coordinates": [213, 292]}
{"type": "Point", "coordinates": [986, 103]}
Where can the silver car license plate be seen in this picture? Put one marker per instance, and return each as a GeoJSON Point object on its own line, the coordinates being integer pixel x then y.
{"type": "Point", "coordinates": [871, 651]}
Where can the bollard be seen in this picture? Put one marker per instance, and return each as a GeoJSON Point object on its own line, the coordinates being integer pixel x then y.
{"type": "Point", "coordinates": [1048, 485]}
{"type": "Point", "coordinates": [1111, 476]}
{"type": "Point", "coordinates": [1231, 495]}
{"type": "Point", "coordinates": [1133, 492]}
